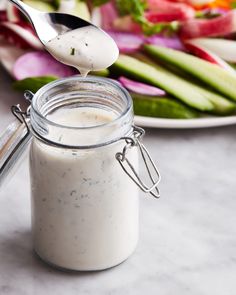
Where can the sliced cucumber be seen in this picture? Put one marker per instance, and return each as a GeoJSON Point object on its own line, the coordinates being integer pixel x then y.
{"type": "Point", "coordinates": [33, 84]}
{"type": "Point", "coordinates": [163, 107]}
{"type": "Point", "coordinates": [101, 73]}
{"type": "Point", "coordinates": [222, 106]}
{"type": "Point", "coordinates": [213, 75]}
{"type": "Point", "coordinates": [158, 76]}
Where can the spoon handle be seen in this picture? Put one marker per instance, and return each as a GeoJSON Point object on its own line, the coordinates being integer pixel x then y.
{"type": "Point", "coordinates": [26, 9]}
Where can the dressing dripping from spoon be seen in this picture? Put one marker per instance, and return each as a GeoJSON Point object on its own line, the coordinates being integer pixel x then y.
{"type": "Point", "coordinates": [72, 40]}
{"type": "Point", "coordinates": [87, 49]}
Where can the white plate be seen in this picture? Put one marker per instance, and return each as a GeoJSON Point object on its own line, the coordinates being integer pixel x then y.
{"type": "Point", "coordinates": [184, 123]}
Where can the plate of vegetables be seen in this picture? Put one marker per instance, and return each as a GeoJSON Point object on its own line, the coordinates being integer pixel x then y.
{"type": "Point", "coordinates": [177, 58]}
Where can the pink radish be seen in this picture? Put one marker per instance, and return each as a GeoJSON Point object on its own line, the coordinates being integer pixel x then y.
{"type": "Point", "coordinates": [20, 35]}
{"type": "Point", "coordinates": [181, 10]}
{"type": "Point", "coordinates": [127, 42]}
{"type": "Point", "coordinates": [158, 16]}
{"type": "Point", "coordinates": [208, 56]}
{"type": "Point", "coordinates": [226, 49]}
{"type": "Point", "coordinates": [3, 16]}
{"type": "Point", "coordinates": [39, 63]}
{"type": "Point", "coordinates": [170, 42]}
{"type": "Point", "coordinates": [218, 26]}
{"type": "Point", "coordinates": [141, 88]}
{"type": "Point", "coordinates": [13, 14]}
{"type": "Point", "coordinates": [213, 12]}
{"type": "Point", "coordinates": [108, 14]}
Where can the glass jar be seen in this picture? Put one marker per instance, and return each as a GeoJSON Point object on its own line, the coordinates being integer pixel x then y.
{"type": "Point", "coordinates": [84, 207]}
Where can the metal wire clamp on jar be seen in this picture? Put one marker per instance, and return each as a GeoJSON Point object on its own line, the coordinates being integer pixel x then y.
{"type": "Point", "coordinates": [84, 207]}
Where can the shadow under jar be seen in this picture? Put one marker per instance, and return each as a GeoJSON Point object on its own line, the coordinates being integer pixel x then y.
{"type": "Point", "coordinates": [84, 207]}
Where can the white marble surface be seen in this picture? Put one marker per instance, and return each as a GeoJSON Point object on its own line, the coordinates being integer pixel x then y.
{"type": "Point", "coordinates": [187, 238]}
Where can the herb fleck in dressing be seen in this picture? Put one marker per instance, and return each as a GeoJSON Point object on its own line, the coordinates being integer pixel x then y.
{"type": "Point", "coordinates": [85, 208]}
{"type": "Point", "coordinates": [87, 49]}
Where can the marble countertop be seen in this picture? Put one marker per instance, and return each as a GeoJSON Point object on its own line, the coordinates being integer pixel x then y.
{"type": "Point", "coordinates": [187, 240]}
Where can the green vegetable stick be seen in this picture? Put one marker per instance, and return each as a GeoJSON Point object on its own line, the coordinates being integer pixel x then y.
{"type": "Point", "coordinates": [218, 78]}
{"type": "Point", "coordinates": [162, 107]}
{"type": "Point", "coordinates": [34, 83]}
{"type": "Point", "coordinates": [222, 106]}
{"type": "Point", "coordinates": [157, 76]}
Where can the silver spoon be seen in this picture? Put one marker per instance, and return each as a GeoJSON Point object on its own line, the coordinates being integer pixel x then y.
{"type": "Point", "coordinates": [49, 25]}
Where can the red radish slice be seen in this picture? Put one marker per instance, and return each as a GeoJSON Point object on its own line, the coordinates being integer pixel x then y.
{"type": "Point", "coordinates": [40, 63]}
{"type": "Point", "coordinates": [141, 88]}
{"type": "Point", "coordinates": [218, 26]}
{"type": "Point", "coordinates": [13, 14]}
{"type": "Point", "coordinates": [3, 15]}
{"type": "Point", "coordinates": [109, 14]}
{"type": "Point", "coordinates": [19, 36]}
{"type": "Point", "coordinates": [183, 10]}
{"type": "Point", "coordinates": [156, 16]}
{"type": "Point", "coordinates": [226, 49]}
{"type": "Point", "coordinates": [170, 42]}
{"type": "Point", "coordinates": [208, 56]}
{"type": "Point", "coordinates": [127, 42]}
{"type": "Point", "coordinates": [214, 11]}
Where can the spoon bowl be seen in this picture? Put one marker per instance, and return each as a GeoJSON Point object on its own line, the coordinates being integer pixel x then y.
{"type": "Point", "coordinates": [49, 25]}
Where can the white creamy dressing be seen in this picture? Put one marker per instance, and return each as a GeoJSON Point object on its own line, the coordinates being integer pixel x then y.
{"type": "Point", "coordinates": [84, 207]}
{"type": "Point", "coordinates": [82, 117]}
{"type": "Point", "coordinates": [87, 49]}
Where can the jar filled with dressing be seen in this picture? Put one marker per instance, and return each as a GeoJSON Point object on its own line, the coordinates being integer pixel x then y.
{"type": "Point", "coordinates": [84, 161]}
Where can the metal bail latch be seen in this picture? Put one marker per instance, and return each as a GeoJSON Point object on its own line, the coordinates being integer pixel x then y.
{"type": "Point", "coordinates": [129, 169]}
{"type": "Point", "coordinates": [22, 116]}
{"type": "Point", "coordinates": [14, 139]}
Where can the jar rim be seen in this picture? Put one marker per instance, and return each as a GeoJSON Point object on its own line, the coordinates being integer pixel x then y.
{"type": "Point", "coordinates": [110, 82]}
